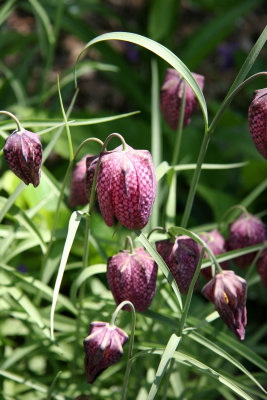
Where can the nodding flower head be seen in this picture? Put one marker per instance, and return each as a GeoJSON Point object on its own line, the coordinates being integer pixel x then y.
{"type": "Point", "coordinates": [132, 276]}
{"type": "Point", "coordinates": [103, 347]}
{"type": "Point", "coordinates": [23, 154]}
{"type": "Point", "coordinates": [247, 230]}
{"type": "Point", "coordinates": [228, 292]}
{"type": "Point", "coordinates": [257, 119]}
{"type": "Point", "coordinates": [126, 186]}
{"type": "Point", "coordinates": [262, 267]}
{"type": "Point", "coordinates": [77, 195]}
{"type": "Point", "coordinates": [172, 94]}
{"type": "Point", "coordinates": [181, 256]}
{"type": "Point", "coordinates": [217, 244]}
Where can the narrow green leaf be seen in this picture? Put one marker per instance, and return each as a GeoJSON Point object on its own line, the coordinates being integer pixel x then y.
{"type": "Point", "coordinates": [165, 359]}
{"type": "Point", "coordinates": [222, 353]}
{"type": "Point", "coordinates": [74, 222]}
{"type": "Point", "coordinates": [83, 276]}
{"type": "Point", "coordinates": [11, 200]}
{"type": "Point", "coordinates": [40, 11]}
{"type": "Point", "coordinates": [5, 10]}
{"type": "Point", "coordinates": [30, 309]}
{"type": "Point", "coordinates": [162, 265]}
{"type": "Point", "coordinates": [17, 355]}
{"type": "Point", "coordinates": [162, 52]}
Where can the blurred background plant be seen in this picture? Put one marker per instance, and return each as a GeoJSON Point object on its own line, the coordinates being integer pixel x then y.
{"type": "Point", "coordinates": [41, 40]}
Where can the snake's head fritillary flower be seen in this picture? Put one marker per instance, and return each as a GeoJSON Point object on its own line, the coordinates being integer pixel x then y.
{"type": "Point", "coordinates": [247, 230]}
{"type": "Point", "coordinates": [262, 267]}
{"type": "Point", "coordinates": [257, 119]}
{"type": "Point", "coordinates": [126, 186]}
{"type": "Point", "coordinates": [23, 154]}
{"type": "Point", "coordinates": [228, 292]}
{"type": "Point", "coordinates": [77, 195]}
{"type": "Point", "coordinates": [132, 276]}
{"type": "Point", "coordinates": [217, 244]}
{"type": "Point", "coordinates": [181, 256]}
{"type": "Point", "coordinates": [172, 94]}
{"type": "Point", "coordinates": [103, 347]}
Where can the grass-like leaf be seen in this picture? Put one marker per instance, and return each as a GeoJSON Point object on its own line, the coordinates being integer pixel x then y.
{"type": "Point", "coordinates": [162, 52]}
{"type": "Point", "coordinates": [74, 223]}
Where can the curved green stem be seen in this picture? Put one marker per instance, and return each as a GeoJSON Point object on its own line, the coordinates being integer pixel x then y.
{"type": "Point", "coordinates": [129, 241]}
{"type": "Point", "coordinates": [193, 187]}
{"type": "Point", "coordinates": [229, 99]}
{"type": "Point", "coordinates": [20, 128]}
{"type": "Point", "coordinates": [131, 343]}
{"type": "Point", "coordinates": [238, 206]}
{"type": "Point", "coordinates": [157, 228]}
{"type": "Point", "coordinates": [111, 136]}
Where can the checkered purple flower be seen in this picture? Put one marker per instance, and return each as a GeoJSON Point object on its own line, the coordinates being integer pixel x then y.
{"type": "Point", "coordinates": [257, 119]}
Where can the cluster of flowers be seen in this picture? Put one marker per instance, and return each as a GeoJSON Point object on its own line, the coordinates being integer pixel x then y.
{"type": "Point", "coordinates": [126, 190]}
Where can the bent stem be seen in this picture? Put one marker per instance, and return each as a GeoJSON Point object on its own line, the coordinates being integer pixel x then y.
{"type": "Point", "coordinates": [20, 128]}
{"type": "Point", "coordinates": [131, 343]}
{"type": "Point", "coordinates": [111, 136]}
{"type": "Point", "coordinates": [129, 241]}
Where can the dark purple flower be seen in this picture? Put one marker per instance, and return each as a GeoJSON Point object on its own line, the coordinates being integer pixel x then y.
{"type": "Point", "coordinates": [245, 231]}
{"type": "Point", "coordinates": [262, 267]}
{"type": "Point", "coordinates": [126, 187]}
{"type": "Point", "coordinates": [181, 256]}
{"type": "Point", "coordinates": [217, 244]}
{"type": "Point", "coordinates": [103, 347]}
{"type": "Point", "coordinates": [23, 154]}
{"type": "Point", "coordinates": [91, 164]}
{"type": "Point", "coordinates": [171, 96]}
{"type": "Point", "coordinates": [132, 276]}
{"type": "Point", "coordinates": [257, 119]}
{"type": "Point", "coordinates": [228, 292]}
{"type": "Point", "coordinates": [77, 195]}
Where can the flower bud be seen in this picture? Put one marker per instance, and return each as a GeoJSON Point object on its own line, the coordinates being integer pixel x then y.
{"type": "Point", "coordinates": [132, 276]}
{"type": "Point", "coordinates": [182, 258]}
{"type": "Point", "coordinates": [217, 244]}
{"type": "Point", "coordinates": [23, 154]}
{"type": "Point", "coordinates": [228, 292]}
{"type": "Point", "coordinates": [77, 195]}
{"type": "Point", "coordinates": [257, 119]}
{"type": "Point", "coordinates": [262, 267]}
{"type": "Point", "coordinates": [103, 347]}
{"type": "Point", "coordinates": [126, 187]}
{"type": "Point", "coordinates": [172, 94]}
{"type": "Point", "coordinates": [245, 231]}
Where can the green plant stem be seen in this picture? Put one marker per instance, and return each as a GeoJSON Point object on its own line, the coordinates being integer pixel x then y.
{"type": "Point", "coordinates": [190, 294]}
{"type": "Point", "coordinates": [111, 136]}
{"type": "Point", "coordinates": [229, 99]}
{"type": "Point", "coordinates": [71, 163]}
{"type": "Point", "coordinates": [178, 141]}
{"type": "Point", "coordinates": [131, 343]}
{"type": "Point", "coordinates": [66, 121]}
{"type": "Point", "coordinates": [129, 241]}
{"type": "Point", "coordinates": [194, 183]}
{"type": "Point", "coordinates": [20, 128]}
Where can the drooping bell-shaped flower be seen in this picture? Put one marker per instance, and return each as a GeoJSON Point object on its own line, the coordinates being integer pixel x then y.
{"type": "Point", "coordinates": [171, 96]}
{"type": "Point", "coordinates": [181, 256]}
{"type": "Point", "coordinates": [103, 347]}
{"type": "Point", "coordinates": [217, 244]}
{"type": "Point", "coordinates": [77, 195]}
{"type": "Point", "coordinates": [257, 119]}
{"type": "Point", "coordinates": [23, 154]}
{"type": "Point", "coordinates": [132, 276]}
{"type": "Point", "coordinates": [247, 230]}
{"type": "Point", "coordinates": [262, 267]}
{"type": "Point", "coordinates": [126, 186]}
{"type": "Point", "coordinates": [228, 292]}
